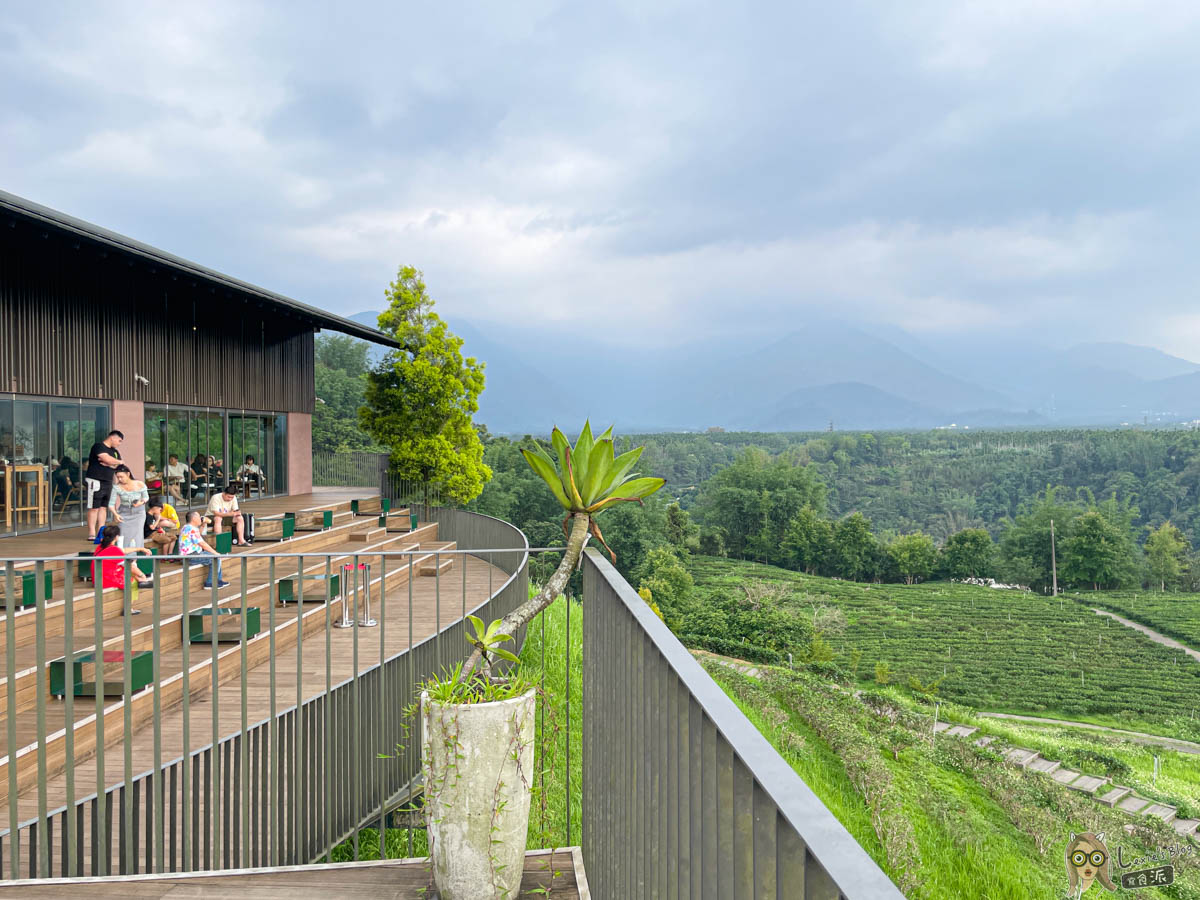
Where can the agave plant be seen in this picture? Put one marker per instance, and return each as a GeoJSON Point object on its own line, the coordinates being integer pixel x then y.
{"type": "Point", "coordinates": [586, 479]}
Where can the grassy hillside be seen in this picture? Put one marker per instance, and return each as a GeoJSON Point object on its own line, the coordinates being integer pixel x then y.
{"type": "Point", "coordinates": [944, 818]}
{"type": "Point", "coordinates": [996, 650]}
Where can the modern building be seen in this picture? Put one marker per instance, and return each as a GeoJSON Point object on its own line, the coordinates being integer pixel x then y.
{"type": "Point", "coordinates": [100, 331]}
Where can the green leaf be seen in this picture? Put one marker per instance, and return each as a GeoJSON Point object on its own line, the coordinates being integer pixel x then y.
{"type": "Point", "coordinates": [563, 448]}
{"type": "Point", "coordinates": [505, 654]}
{"type": "Point", "coordinates": [545, 469]}
{"type": "Point", "coordinates": [583, 446]}
{"type": "Point", "coordinates": [630, 492]}
{"type": "Point", "coordinates": [619, 469]}
{"type": "Point", "coordinates": [477, 624]}
{"type": "Point", "coordinates": [572, 487]}
{"type": "Point", "coordinates": [598, 465]}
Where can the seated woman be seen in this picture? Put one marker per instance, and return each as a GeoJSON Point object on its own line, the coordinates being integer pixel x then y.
{"type": "Point", "coordinates": [65, 477]}
{"type": "Point", "coordinates": [249, 472]}
{"type": "Point", "coordinates": [176, 475]}
{"type": "Point", "coordinates": [111, 560]}
{"type": "Point", "coordinates": [153, 479]}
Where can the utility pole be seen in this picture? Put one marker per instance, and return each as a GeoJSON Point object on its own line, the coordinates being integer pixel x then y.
{"type": "Point", "coordinates": [1053, 562]}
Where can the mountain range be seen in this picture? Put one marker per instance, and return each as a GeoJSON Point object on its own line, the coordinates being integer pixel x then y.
{"type": "Point", "coordinates": [823, 374]}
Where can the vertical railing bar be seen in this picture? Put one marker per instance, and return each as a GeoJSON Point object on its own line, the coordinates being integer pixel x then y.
{"type": "Point", "coordinates": [105, 836]}
{"type": "Point", "coordinates": [567, 598]}
{"type": "Point", "coordinates": [186, 764]}
{"type": "Point", "coordinates": [156, 663]}
{"type": "Point", "coordinates": [273, 785]}
{"type": "Point", "coordinates": [39, 599]}
{"type": "Point", "coordinates": [10, 669]}
{"type": "Point", "coordinates": [437, 593]}
{"type": "Point", "coordinates": [297, 794]}
{"type": "Point", "coordinates": [214, 798]}
{"type": "Point", "coordinates": [127, 857]}
{"type": "Point", "coordinates": [355, 808]}
{"type": "Point", "coordinates": [414, 736]}
{"type": "Point", "coordinates": [70, 836]}
{"type": "Point", "coordinates": [327, 721]}
{"type": "Point", "coordinates": [244, 762]}
{"type": "Point", "coordinates": [383, 731]}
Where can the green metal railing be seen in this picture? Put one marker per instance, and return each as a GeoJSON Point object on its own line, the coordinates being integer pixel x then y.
{"type": "Point", "coordinates": [682, 797]}
{"type": "Point", "coordinates": [280, 789]}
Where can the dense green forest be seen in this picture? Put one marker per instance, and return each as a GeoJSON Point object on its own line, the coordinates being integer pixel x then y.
{"type": "Point", "coordinates": [1123, 505]}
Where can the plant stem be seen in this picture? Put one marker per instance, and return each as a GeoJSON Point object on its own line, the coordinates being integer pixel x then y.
{"type": "Point", "coordinates": [521, 616]}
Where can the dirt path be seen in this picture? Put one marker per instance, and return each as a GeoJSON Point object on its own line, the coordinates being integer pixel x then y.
{"type": "Point", "coordinates": [1150, 633]}
{"type": "Point", "coordinates": [1138, 737]}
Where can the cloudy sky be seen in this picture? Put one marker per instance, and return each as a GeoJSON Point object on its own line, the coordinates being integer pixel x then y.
{"type": "Point", "coordinates": [1017, 165]}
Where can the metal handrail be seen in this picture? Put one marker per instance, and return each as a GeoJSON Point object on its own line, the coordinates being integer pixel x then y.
{"type": "Point", "coordinates": [682, 795]}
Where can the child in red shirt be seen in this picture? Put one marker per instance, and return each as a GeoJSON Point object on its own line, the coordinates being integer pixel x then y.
{"type": "Point", "coordinates": [112, 569]}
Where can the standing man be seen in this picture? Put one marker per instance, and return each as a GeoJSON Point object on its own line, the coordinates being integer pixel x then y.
{"type": "Point", "coordinates": [101, 463]}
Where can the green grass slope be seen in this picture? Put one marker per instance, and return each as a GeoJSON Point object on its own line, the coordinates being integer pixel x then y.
{"type": "Point", "coordinates": [945, 819]}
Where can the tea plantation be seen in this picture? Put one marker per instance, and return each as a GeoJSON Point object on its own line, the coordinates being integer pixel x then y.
{"type": "Point", "coordinates": [998, 650]}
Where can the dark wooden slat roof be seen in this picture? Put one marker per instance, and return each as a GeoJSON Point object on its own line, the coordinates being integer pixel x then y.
{"type": "Point", "coordinates": [17, 208]}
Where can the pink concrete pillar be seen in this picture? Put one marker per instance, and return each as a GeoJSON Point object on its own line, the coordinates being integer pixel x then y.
{"type": "Point", "coordinates": [129, 417]}
{"type": "Point", "coordinates": [299, 437]}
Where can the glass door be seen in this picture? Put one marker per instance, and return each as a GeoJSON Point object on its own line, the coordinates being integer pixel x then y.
{"type": "Point", "coordinates": [31, 465]}
{"type": "Point", "coordinates": [67, 494]}
{"type": "Point", "coordinates": [6, 463]}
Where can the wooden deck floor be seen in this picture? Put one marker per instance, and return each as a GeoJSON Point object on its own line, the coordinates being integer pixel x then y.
{"type": "Point", "coordinates": [556, 874]}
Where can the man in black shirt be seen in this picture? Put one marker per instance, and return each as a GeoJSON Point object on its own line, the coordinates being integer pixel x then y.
{"type": "Point", "coordinates": [102, 461]}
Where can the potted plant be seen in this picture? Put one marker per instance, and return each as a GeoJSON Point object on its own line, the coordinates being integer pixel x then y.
{"type": "Point", "coordinates": [477, 752]}
{"type": "Point", "coordinates": [477, 761]}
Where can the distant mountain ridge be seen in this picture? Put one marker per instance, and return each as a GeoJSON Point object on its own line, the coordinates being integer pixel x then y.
{"type": "Point", "coordinates": [824, 371]}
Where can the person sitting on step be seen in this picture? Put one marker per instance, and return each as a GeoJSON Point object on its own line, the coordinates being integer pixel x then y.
{"type": "Point", "coordinates": [192, 543]}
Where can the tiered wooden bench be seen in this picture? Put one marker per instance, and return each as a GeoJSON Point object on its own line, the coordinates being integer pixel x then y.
{"type": "Point", "coordinates": [275, 528]}
{"type": "Point", "coordinates": [371, 506]}
{"type": "Point", "coordinates": [434, 565]}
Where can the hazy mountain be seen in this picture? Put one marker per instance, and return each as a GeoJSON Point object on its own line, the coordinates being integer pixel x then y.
{"type": "Point", "coordinates": [1141, 362]}
{"type": "Point", "coordinates": [822, 371]}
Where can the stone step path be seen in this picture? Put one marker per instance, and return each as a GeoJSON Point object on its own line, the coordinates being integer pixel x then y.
{"type": "Point", "coordinates": [1096, 786]}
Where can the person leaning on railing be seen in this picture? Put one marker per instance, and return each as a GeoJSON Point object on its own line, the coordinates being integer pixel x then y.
{"type": "Point", "coordinates": [192, 543]}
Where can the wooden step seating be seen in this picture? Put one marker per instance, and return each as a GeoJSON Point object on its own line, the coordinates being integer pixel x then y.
{"type": "Point", "coordinates": [371, 506]}
{"type": "Point", "coordinates": [369, 535]}
{"type": "Point", "coordinates": [228, 669]}
{"type": "Point", "coordinates": [171, 580]}
{"type": "Point", "coordinates": [398, 520]}
{"type": "Point", "coordinates": [229, 623]}
{"type": "Point", "coordinates": [274, 528]}
{"type": "Point", "coordinates": [435, 565]}
{"type": "Point", "coordinates": [107, 676]}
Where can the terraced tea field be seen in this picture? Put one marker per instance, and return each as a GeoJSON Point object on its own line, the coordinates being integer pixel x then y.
{"type": "Point", "coordinates": [997, 650]}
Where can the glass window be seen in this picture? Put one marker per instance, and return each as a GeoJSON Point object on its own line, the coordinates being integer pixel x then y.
{"type": "Point", "coordinates": [31, 465]}
{"type": "Point", "coordinates": [66, 473]}
{"type": "Point", "coordinates": [278, 474]}
{"type": "Point", "coordinates": [178, 447]}
{"type": "Point", "coordinates": [6, 462]}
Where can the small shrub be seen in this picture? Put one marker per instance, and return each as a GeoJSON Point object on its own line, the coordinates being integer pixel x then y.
{"type": "Point", "coordinates": [883, 673]}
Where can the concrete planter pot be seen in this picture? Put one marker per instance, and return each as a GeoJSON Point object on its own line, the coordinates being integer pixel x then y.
{"type": "Point", "coordinates": [477, 760]}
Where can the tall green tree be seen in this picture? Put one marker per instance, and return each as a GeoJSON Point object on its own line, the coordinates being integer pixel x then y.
{"type": "Point", "coordinates": [682, 532]}
{"type": "Point", "coordinates": [1166, 550]}
{"type": "Point", "coordinates": [914, 556]}
{"type": "Point", "coordinates": [808, 541]}
{"type": "Point", "coordinates": [1092, 552]}
{"type": "Point", "coordinates": [1025, 544]}
{"type": "Point", "coordinates": [340, 374]}
{"type": "Point", "coordinates": [853, 547]}
{"type": "Point", "coordinates": [420, 398]}
{"type": "Point", "coordinates": [969, 554]}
